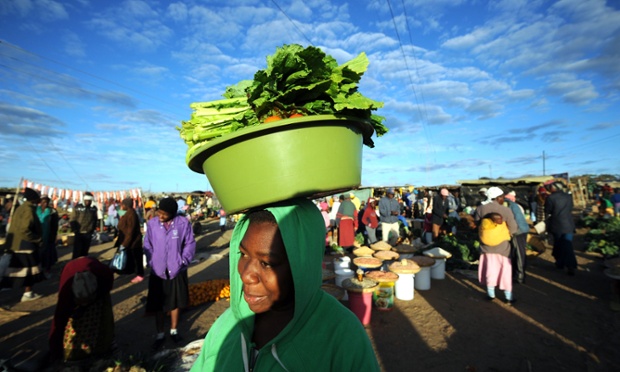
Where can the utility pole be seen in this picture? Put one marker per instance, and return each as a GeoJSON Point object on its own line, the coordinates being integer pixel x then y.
{"type": "Point", "coordinates": [544, 163]}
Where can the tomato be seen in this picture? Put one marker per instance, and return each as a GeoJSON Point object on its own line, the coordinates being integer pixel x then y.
{"type": "Point", "coordinates": [272, 118]}
{"type": "Point", "coordinates": [296, 115]}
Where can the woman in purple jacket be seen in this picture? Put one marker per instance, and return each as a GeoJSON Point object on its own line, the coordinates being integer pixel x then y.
{"type": "Point", "coordinates": [169, 246]}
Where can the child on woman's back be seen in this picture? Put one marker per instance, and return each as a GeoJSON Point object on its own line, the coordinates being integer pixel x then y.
{"type": "Point", "coordinates": [493, 230]}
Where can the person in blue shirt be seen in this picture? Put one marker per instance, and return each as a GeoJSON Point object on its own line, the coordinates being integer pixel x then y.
{"type": "Point", "coordinates": [519, 239]}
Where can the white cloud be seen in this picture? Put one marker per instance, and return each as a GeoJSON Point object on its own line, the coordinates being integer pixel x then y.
{"type": "Point", "coordinates": [446, 88]}
{"type": "Point", "coordinates": [22, 7]}
{"type": "Point", "coordinates": [484, 108]}
{"type": "Point", "coordinates": [146, 69]}
{"type": "Point", "coordinates": [133, 24]}
{"type": "Point", "coordinates": [474, 38]}
{"type": "Point", "coordinates": [178, 11]}
{"type": "Point", "coordinates": [51, 10]}
{"type": "Point", "coordinates": [571, 89]}
{"type": "Point", "coordinates": [74, 45]}
{"type": "Point", "coordinates": [25, 121]}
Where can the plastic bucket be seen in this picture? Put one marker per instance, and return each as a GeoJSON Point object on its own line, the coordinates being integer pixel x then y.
{"type": "Point", "coordinates": [540, 227]}
{"type": "Point", "coordinates": [423, 279]}
{"type": "Point", "coordinates": [361, 305]}
{"type": "Point", "coordinates": [291, 162]}
{"type": "Point", "coordinates": [342, 263]}
{"type": "Point", "coordinates": [404, 287]}
{"type": "Point", "coordinates": [383, 297]}
{"type": "Point", "coordinates": [341, 275]}
{"type": "Point", "coordinates": [438, 270]}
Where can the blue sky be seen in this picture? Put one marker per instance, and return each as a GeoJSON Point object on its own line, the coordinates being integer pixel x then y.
{"type": "Point", "coordinates": [91, 91]}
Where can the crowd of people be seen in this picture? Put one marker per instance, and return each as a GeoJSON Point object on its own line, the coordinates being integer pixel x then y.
{"type": "Point", "coordinates": [83, 324]}
{"type": "Point", "coordinates": [268, 303]}
{"type": "Point", "coordinates": [391, 212]}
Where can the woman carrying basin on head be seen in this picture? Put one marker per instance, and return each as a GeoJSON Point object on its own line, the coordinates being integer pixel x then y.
{"type": "Point", "coordinates": [279, 317]}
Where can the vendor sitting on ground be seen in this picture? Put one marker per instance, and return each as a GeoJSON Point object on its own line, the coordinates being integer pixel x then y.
{"type": "Point", "coordinates": [83, 323]}
{"type": "Point", "coordinates": [493, 230]}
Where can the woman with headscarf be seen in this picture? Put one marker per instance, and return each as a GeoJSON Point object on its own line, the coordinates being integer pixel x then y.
{"type": "Point", "coordinates": [439, 211]}
{"type": "Point", "coordinates": [24, 241]}
{"type": "Point", "coordinates": [347, 222]}
{"type": "Point", "coordinates": [519, 239]}
{"type": "Point", "coordinates": [279, 317]}
{"type": "Point", "coordinates": [370, 220]}
{"type": "Point", "coordinates": [130, 238]}
{"type": "Point", "coordinates": [540, 203]}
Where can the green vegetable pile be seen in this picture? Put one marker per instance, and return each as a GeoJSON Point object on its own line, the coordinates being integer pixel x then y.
{"type": "Point", "coordinates": [464, 246]}
{"type": "Point", "coordinates": [297, 81]}
{"type": "Point", "coordinates": [605, 239]}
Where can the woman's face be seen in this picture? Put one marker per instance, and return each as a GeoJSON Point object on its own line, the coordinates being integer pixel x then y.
{"type": "Point", "coordinates": [264, 269]}
{"type": "Point", "coordinates": [44, 203]}
{"type": "Point", "coordinates": [163, 215]}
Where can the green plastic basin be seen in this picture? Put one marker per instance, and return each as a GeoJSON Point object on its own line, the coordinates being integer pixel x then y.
{"type": "Point", "coordinates": [312, 156]}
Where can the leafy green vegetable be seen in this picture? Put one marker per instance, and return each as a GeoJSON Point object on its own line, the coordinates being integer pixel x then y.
{"type": "Point", "coordinates": [296, 80]}
{"type": "Point", "coordinates": [463, 246]}
{"type": "Point", "coordinates": [604, 239]}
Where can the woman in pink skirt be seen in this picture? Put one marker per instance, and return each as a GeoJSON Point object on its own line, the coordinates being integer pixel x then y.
{"type": "Point", "coordinates": [495, 268]}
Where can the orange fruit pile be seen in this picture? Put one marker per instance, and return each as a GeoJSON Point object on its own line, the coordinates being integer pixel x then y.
{"type": "Point", "coordinates": [211, 290]}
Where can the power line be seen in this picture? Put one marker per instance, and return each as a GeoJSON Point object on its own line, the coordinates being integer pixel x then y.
{"type": "Point", "coordinates": [415, 59]}
{"type": "Point", "coordinates": [293, 23]}
{"type": "Point", "coordinates": [423, 118]}
{"type": "Point", "coordinates": [68, 164]}
{"type": "Point", "coordinates": [34, 151]}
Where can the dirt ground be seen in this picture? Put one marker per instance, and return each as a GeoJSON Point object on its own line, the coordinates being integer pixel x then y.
{"type": "Point", "coordinates": [559, 322]}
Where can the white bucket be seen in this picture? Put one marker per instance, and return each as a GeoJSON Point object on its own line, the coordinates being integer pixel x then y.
{"type": "Point", "coordinates": [342, 263]}
{"type": "Point", "coordinates": [404, 287]}
{"type": "Point", "coordinates": [540, 227]}
{"type": "Point", "coordinates": [341, 275]}
{"type": "Point", "coordinates": [423, 279]}
{"type": "Point", "coordinates": [438, 270]}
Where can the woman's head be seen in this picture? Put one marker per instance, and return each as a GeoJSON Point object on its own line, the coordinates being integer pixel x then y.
{"type": "Point", "coordinates": [264, 266]}
{"type": "Point", "coordinates": [127, 204]}
{"type": "Point", "coordinates": [45, 202]}
{"type": "Point", "coordinates": [31, 195]}
{"type": "Point", "coordinates": [167, 209]}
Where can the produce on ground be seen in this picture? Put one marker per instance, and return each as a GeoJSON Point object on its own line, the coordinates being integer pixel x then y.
{"type": "Point", "coordinates": [211, 290]}
{"type": "Point", "coordinates": [381, 246]}
{"type": "Point", "coordinates": [464, 246]}
{"type": "Point", "coordinates": [605, 238]}
{"type": "Point", "coordinates": [363, 252]}
{"type": "Point", "coordinates": [297, 82]}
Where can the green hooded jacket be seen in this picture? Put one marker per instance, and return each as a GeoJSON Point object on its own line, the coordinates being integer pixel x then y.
{"type": "Point", "coordinates": [322, 336]}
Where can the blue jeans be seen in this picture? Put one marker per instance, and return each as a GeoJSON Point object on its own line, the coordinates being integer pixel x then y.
{"type": "Point", "coordinates": [563, 251]}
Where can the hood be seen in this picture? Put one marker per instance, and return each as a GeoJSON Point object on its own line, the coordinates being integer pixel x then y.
{"type": "Point", "coordinates": [303, 231]}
